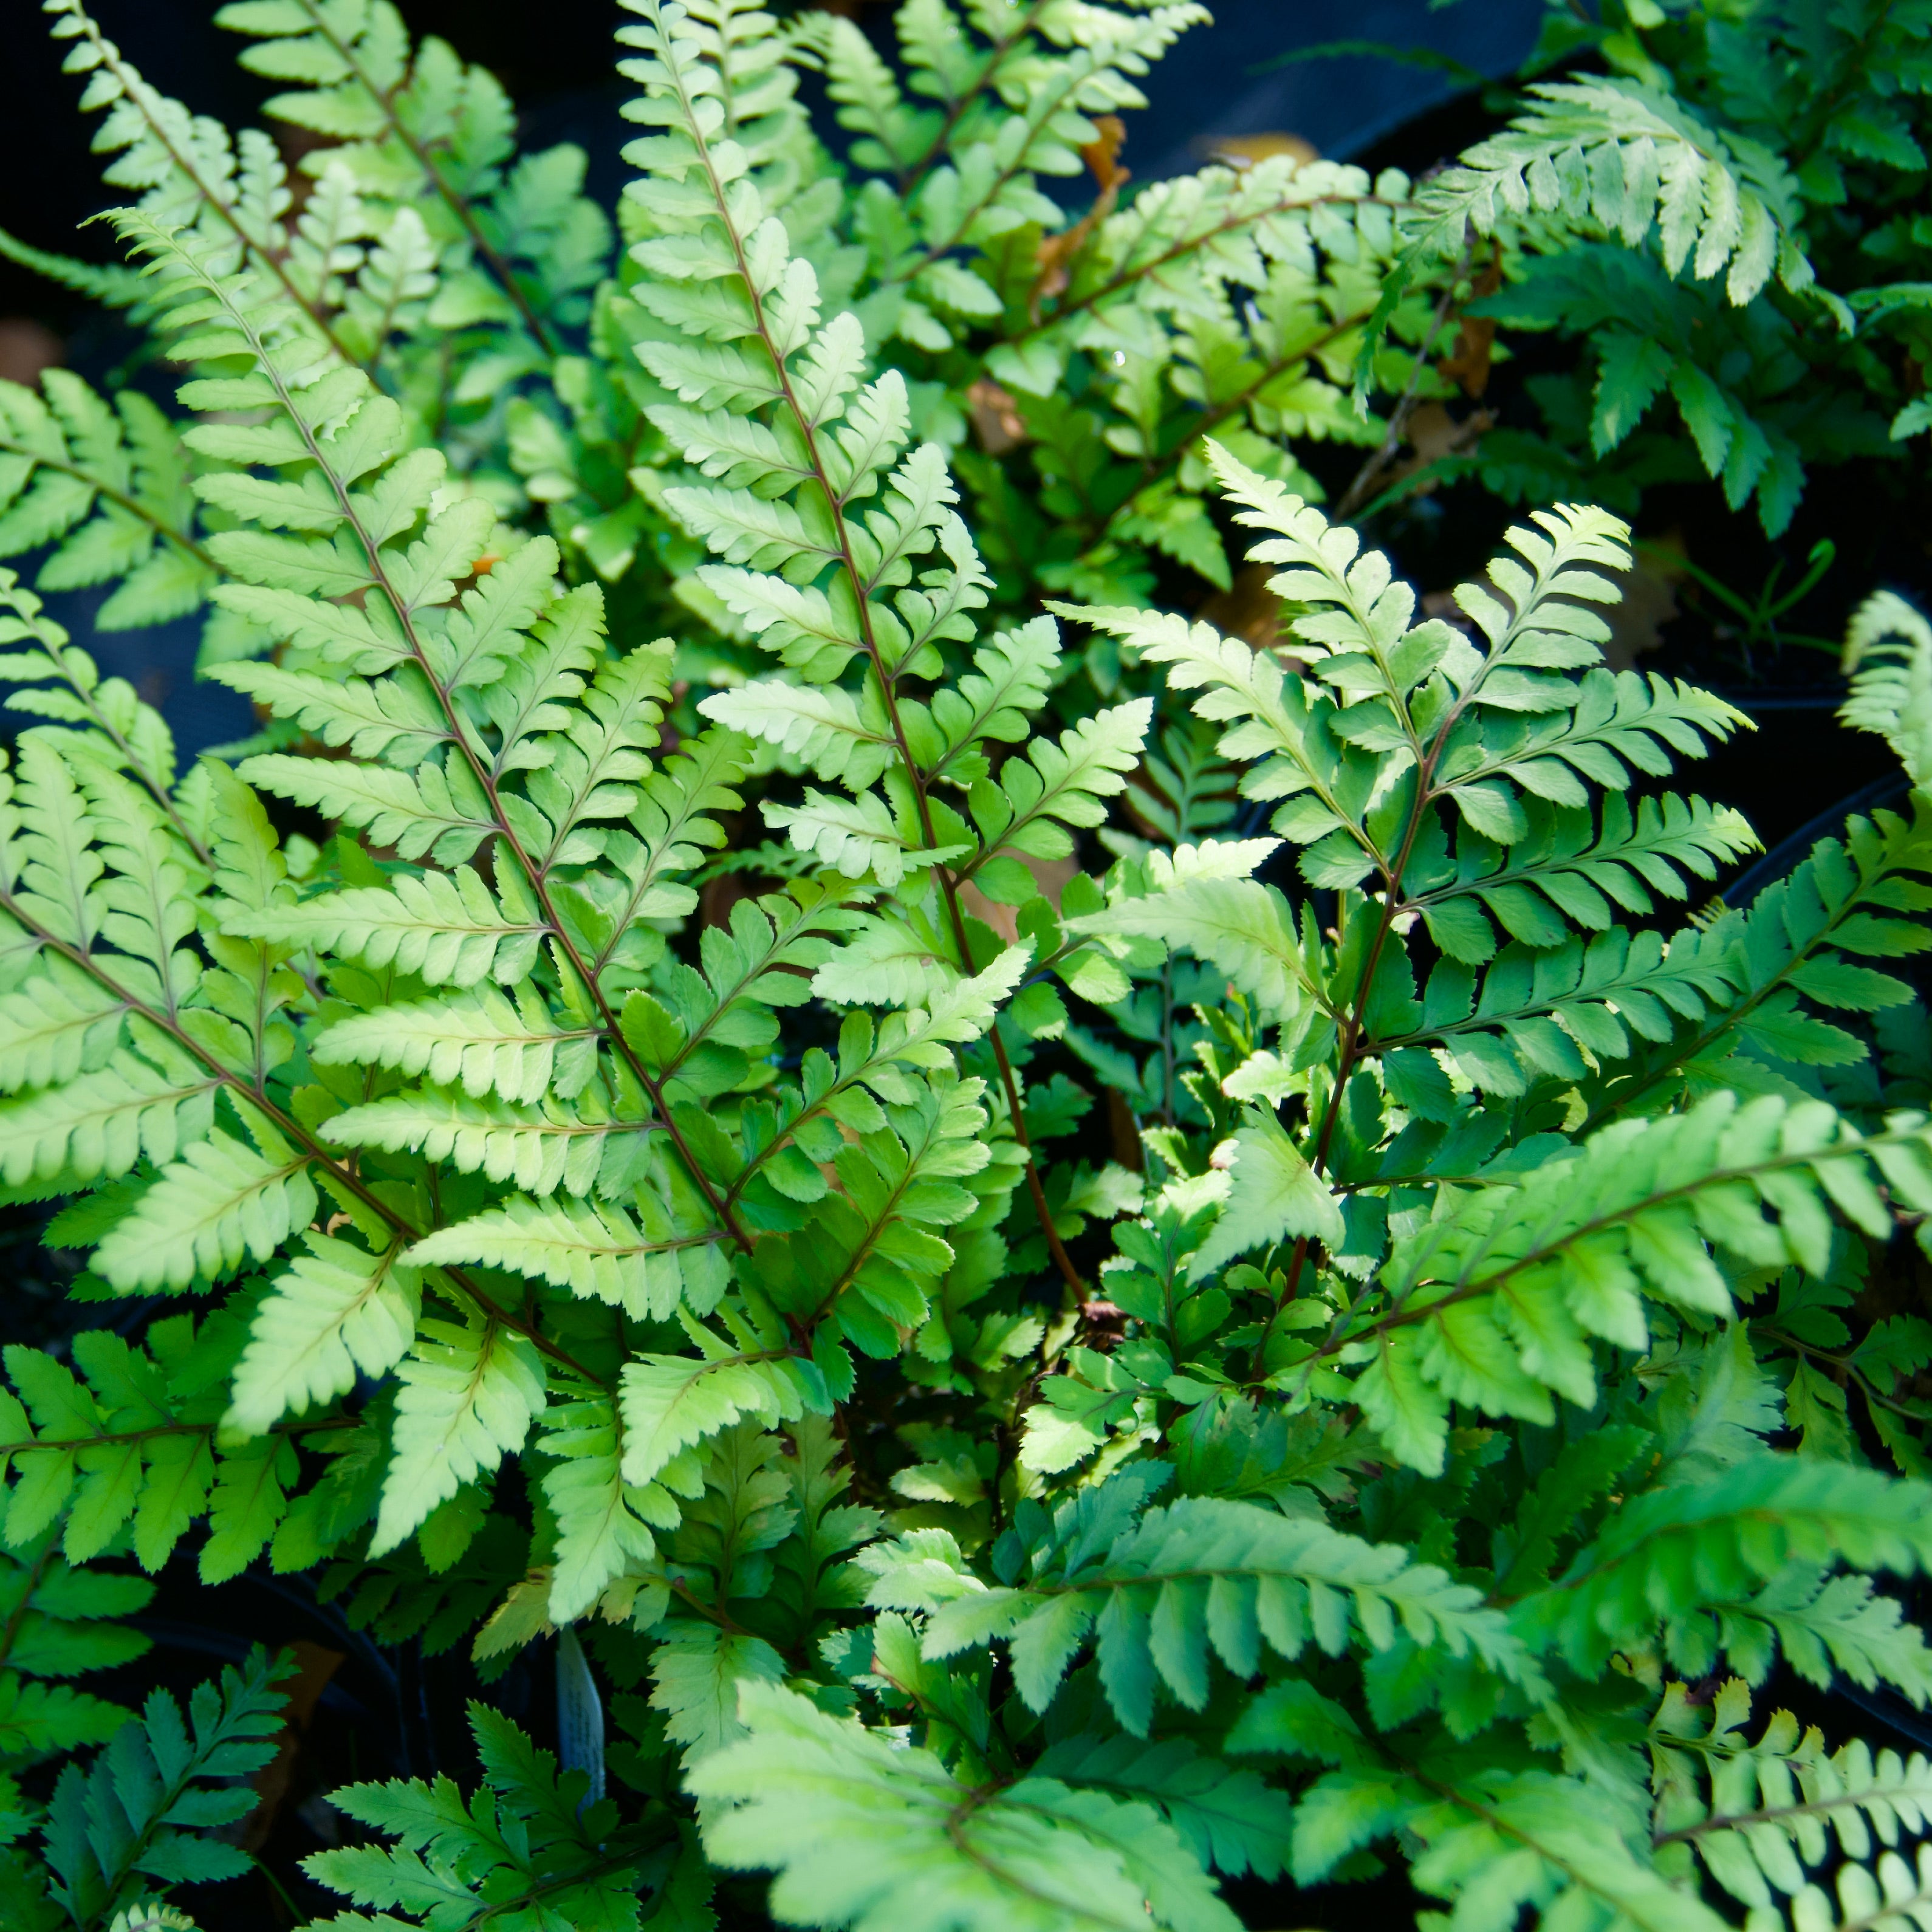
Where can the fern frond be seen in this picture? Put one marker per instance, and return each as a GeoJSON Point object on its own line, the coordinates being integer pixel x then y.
{"type": "Point", "coordinates": [1571, 1245]}
{"type": "Point", "coordinates": [335, 1312]}
{"type": "Point", "coordinates": [221, 1203]}
{"type": "Point", "coordinates": [1744, 1526]}
{"type": "Point", "coordinates": [530, 1836]}
{"type": "Point", "coordinates": [110, 284]}
{"type": "Point", "coordinates": [230, 194]}
{"type": "Point", "coordinates": [107, 488]}
{"type": "Point", "coordinates": [1536, 1007]}
{"type": "Point", "coordinates": [670, 1403]}
{"type": "Point", "coordinates": [371, 719]}
{"type": "Point", "coordinates": [1144, 1601]}
{"type": "Point", "coordinates": [819, 726]}
{"type": "Point", "coordinates": [886, 962]}
{"type": "Point", "coordinates": [699, 1039]}
{"type": "Point", "coordinates": [124, 1820]}
{"type": "Point", "coordinates": [419, 134]}
{"type": "Point", "coordinates": [1774, 1806]}
{"type": "Point", "coordinates": [1891, 1892]}
{"type": "Point", "coordinates": [540, 1147]}
{"type": "Point", "coordinates": [59, 1624]}
{"type": "Point", "coordinates": [106, 1448]}
{"type": "Point", "coordinates": [468, 1397]}
{"type": "Point", "coordinates": [1565, 868]}
{"type": "Point", "coordinates": [1888, 658]}
{"type": "Point", "coordinates": [857, 836]}
{"type": "Point", "coordinates": [868, 1262]}
{"type": "Point", "coordinates": [126, 732]}
{"type": "Point", "coordinates": [1229, 1819]}
{"type": "Point", "coordinates": [1790, 948]}
{"type": "Point", "coordinates": [594, 1249]}
{"type": "Point", "coordinates": [1622, 156]}
{"type": "Point", "coordinates": [1056, 786]}
{"type": "Point", "coordinates": [1245, 928]}
{"type": "Point", "coordinates": [983, 188]}
{"type": "Point", "coordinates": [1037, 1856]}
{"type": "Point", "coordinates": [604, 1523]}
{"type": "Point", "coordinates": [1823, 1624]}
{"type": "Point", "coordinates": [154, 1103]}
{"type": "Point", "coordinates": [1534, 1839]}
{"type": "Point", "coordinates": [479, 1040]}
{"type": "Point", "coordinates": [446, 929]}
{"type": "Point", "coordinates": [425, 814]}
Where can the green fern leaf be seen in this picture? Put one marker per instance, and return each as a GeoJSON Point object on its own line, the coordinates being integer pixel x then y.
{"type": "Point", "coordinates": [479, 1040]}
{"type": "Point", "coordinates": [540, 1147]}
{"type": "Point", "coordinates": [594, 1249]}
{"type": "Point", "coordinates": [697, 1676]}
{"type": "Point", "coordinates": [1039, 1856]}
{"type": "Point", "coordinates": [335, 1312]}
{"type": "Point", "coordinates": [162, 1775]}
{"type": "Point", "coordinates": [447, 928]}
{"type": "Point", "coordinates": [223, 1202]}
{"type": "Point", "coordinates": [604, 1523]}
{"type": "Point", "coordinates": [468, 1397]}
{"type": "Point", "coordinates": [1281, 1580]}
{"type": "Point", "coordinates": [1888, 658]}
{"type": "Point", "coordinates": [1626, 1578]}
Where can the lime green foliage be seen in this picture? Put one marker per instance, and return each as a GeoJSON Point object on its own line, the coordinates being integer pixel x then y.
{"type": "Point", "coordinates": [478, 288]}
{"type": "Point", "coordinates": [59, 1624]}
{"type": "Point", "coordinates": [1888, 658]}
{"type": "Point", "coordinates": [969, 1501]}
{"type": "Point", "coordinates": [107, 487]}
{"type": "Point", "coordinates": [1227, 302]}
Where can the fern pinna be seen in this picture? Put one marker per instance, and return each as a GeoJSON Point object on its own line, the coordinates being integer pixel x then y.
{"type": "Point", "coordinates": [1460, 1390]}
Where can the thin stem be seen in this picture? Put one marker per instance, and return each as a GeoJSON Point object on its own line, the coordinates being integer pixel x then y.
{"type": "Point", "coordinates": [1366, 477]}
{"type": "Point", "coordinates": [868, 640]}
